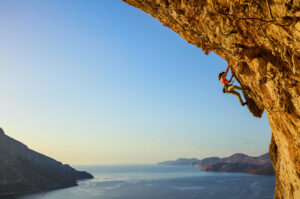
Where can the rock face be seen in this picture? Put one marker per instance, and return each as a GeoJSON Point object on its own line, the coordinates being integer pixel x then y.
{"type": "Point", "coordinates": [180, 162]}
{"type": "Point", "coordinates": [23, 170]}
{"type": "Point", "coordinates": [242, 163]}
{"type": "Point", "coordinates": [261, 42]}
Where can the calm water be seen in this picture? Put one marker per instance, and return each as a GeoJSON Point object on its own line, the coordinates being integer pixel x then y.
{"type": "Point", "coordinates": [163, 182]}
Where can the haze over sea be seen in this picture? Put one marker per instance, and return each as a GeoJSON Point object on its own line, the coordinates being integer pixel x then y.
{"type": "Point", "coordinates": [163, 182]}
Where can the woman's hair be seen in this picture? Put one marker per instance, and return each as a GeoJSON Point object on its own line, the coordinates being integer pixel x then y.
{"type": "Point", "coordinates": [220, 75]}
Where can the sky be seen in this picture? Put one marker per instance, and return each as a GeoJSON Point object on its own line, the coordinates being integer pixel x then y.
{"type": "Point", "coordinates": [101, 82]}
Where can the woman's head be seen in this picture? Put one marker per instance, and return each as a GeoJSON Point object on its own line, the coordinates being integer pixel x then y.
{"type": "Point", "coordinates": [220, 75]}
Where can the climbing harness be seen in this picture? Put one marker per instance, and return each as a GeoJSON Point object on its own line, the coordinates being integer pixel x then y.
{"type": "Point", "coordinates": [226, 86]}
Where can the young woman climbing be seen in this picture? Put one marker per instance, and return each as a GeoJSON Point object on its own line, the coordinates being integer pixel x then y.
{"type": "Point", "coordinates": [229, 88]}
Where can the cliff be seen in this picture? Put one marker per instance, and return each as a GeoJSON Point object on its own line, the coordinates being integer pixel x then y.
{"type": "Point", "coordinates": [261, 42]}
{"type": "Point", "coordinates": [23, 170]}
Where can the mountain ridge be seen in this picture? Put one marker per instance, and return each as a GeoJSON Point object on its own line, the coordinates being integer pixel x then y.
{"type": "Point", "coordinates": [25, 171]}
{"type": "Point", "coordinates": [237, 162]}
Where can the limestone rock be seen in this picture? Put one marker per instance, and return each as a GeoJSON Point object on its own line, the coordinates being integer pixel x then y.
{"type": "Point", "coordinates": [261, 42]}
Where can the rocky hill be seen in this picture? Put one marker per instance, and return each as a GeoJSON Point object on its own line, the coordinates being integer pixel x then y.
{"type": "Point", "coordinates": [260, 40]}
{"type": "Point", "coordinates": [205, 161]}
{"type": "Point", "coordinates": [240, 157]}
{"type": "Point", "coordinates": [240, 167]}
{"type": "Point", "coordinates": [242, 163]}
{"type": "Point", "coordinates": [237, 162]}
{"type": "Point", "coordinates": [23, 170]}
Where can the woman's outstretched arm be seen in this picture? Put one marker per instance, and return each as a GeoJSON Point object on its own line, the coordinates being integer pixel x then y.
{"type": "Point", "coordinates": [225, 74]}
{"type": "Point", "coordinates": [231, 78]}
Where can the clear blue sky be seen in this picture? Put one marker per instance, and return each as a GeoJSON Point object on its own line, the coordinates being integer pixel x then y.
{"type": "Point", "coordinates": [101, 82]}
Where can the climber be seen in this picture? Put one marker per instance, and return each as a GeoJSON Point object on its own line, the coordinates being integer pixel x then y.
{"type": "Point", "coordinates": [229, 88]}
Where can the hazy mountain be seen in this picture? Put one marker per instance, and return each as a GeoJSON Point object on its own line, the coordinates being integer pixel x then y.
{"type": "Point", "coordinates": [242, 163]}
{"type": "Point", "coordinates": [205, 161]}
{"type": "Point", "coordinates": [237, 162]}
{"type": "Point", "coordinates": [239, 157]}
{"type": "Point", "coordinates": [180, 162]}
{"type": "Point", "coordinates": [24, 170]}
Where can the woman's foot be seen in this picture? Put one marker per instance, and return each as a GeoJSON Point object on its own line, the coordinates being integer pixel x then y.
{"type": "Point", "coordinates": [244, 103]}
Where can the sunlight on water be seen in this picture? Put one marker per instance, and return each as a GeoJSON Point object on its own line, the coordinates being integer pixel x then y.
{"type": "Point", "coordinates": [163, 182]}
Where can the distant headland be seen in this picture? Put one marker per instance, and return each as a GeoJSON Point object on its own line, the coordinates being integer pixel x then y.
{"type": "Point", "coordinates": [237, 162]}
{"type": "Point", "coordinates": [25, 171]}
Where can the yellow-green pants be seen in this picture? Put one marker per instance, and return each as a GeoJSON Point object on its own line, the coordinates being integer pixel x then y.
{"type": "Point", "coordinates": [230, 89]}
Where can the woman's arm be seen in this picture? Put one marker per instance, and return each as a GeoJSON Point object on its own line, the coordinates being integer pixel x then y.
{"type": "Point", "coordinates": [225, 74]}
{"type": "Point", "coordinates": [231, 78]}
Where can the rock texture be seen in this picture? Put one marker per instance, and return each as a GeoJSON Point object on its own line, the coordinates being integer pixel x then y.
{"type": "Point", "coordinates": [23, 170]}
{"type": "Point", "coordinates": [260, 39]}
{"type": "Point", "coordinates": [242, 163]}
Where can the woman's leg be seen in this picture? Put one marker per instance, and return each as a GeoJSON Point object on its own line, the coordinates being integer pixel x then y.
{"type": "Point", "coordinates": [232, 91]}
{"type": "Point", "coordinates": [237, 87]}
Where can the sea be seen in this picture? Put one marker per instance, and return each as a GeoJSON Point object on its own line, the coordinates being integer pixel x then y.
{"type": "Point", "coordinates": [163, 182]}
